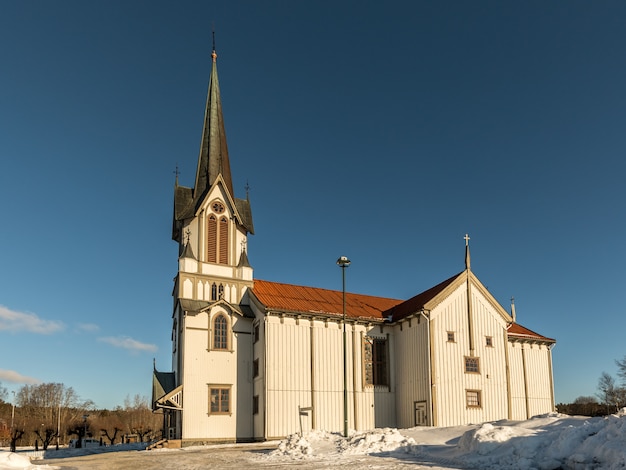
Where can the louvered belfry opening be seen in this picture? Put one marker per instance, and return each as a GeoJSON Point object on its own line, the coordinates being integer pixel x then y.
{"type": "Point", "coordinates": [212, 239]}
{"type": "Point", "coordinates": [223, 254]}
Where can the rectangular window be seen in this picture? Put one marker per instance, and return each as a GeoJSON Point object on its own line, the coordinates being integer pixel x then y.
{"type": "Point", "coordinates": [219, 399]}
{"type": "Point", "coordinates": [472, 365]}
{"type": "Point", "coordinates": [255, 368]}
{"type": "Point", "coordinates": [255, 405]}
{"type": "Point", "coordinates": [450, 336]}
{"type": "Point", "coordinates": [473, 399]}
{"type": "Point", "coordinates": [375, 361]}
{"type": "Point", "coordinates": [256, 332]}
{"type": "Point", "coordinates": [489, 341]}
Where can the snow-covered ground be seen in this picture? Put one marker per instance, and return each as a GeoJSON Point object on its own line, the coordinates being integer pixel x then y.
{"type": "Point", "coordinates": [545, 442]}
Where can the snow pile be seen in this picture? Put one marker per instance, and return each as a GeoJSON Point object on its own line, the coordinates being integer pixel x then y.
{"type": "Point", "coordinates": [299, 447]}
{"type": "Point", "coordinates": [12, 461]}
{"type": "Point", "coordinates": [320, 443]}
{"type": "Point", "coordinates": [376, 441]}
{"type": "Point", "coordinates": [489, 438]}
{"type": "Point", "coordinates": [546, 442]}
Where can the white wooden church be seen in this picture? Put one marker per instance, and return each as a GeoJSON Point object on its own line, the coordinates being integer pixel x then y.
{"type": "Point", "coordinates": [256, 360]}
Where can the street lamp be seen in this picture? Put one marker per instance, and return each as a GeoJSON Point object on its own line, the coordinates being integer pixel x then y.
{"type": "Point", "coordinates": [12, 411]}
{"type": "Point", "coordinates": [343, 262]}
{"type": "Point", "coordinates": [85, 416]}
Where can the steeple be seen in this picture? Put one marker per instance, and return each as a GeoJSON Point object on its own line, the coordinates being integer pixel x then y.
{"type": "Point", "coordinates": [213, 165]}
{"type": "Point", "coordinates": [213, 159]}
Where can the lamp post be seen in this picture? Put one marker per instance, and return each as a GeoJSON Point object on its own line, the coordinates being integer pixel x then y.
{"type": "Point", "coordinates": [85, 416]}
{"type": "Point", "coordinates": [58, 424]}
{"type": "Point", "coordinates": [343, 262]}
{"type": "Point", "coordinates": [12, 411]}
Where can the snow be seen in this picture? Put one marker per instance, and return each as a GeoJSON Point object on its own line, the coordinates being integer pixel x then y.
{"type": "Point", "coordinates": [547, 442]}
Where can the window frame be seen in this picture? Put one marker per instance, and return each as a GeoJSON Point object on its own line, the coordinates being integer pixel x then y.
{"type": "Point", "coordinates": [221, 390]}
{"type": "Point", "coordinates": [222, 334]}
{"type": "Point", "coordinates": [473, 398]}
{"type": "Point", "coordinates": [469, 361]}
{"type": "Point", "coordinates": [375, 361]}
{"type": "Point", "coordinates": [451, 337]}
{"type": "Point", "coordinates": [256, 332]}
{"type": "Point", "coordinates": [489, 341]}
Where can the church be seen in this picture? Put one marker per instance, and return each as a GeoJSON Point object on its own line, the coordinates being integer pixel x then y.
{"type": "Point", "coordinates": [255, 360]}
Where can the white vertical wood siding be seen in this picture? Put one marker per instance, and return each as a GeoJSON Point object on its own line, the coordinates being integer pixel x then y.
{"type": "Point", "coordinates": [530, 379]}
{"type": "Point", "coordinates": [538, 371]}
{"type": "Point", "coordinates": [288, 374]}
{"type": "Point", "coordinates": [204, 367]}
{"type": "Point", "coordinates": [518, 394]}
{"type": "Point", "coordinates": [451, 380]}
{"type": "Point", "coordinates": [306, 369]}
{"type": "Point", "coordinates": [412, 369]}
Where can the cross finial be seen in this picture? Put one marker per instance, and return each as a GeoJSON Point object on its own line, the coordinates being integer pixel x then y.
{"type": "Point", "coordinates": [243, 244]}
{"type": "Point", "coordinates": [247, 190]}
{"type": "Point", "coordinates": [467, 251]}
{"type": "Point", "coordinates": [214, 54]}
{"type": "Point", "coordinates": [188, 236]}
{"type": "Point", "coordinates": [176, 172]}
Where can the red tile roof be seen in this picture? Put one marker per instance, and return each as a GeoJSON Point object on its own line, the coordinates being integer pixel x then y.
{"type": "Point", "coordinates": [288, 297]}
{"type": "Point", "coordinates": [314, 300]}
{"type": "Point", "coordinates": [415, 304]}
{"type": "Point", "coordinates": [517, 330]}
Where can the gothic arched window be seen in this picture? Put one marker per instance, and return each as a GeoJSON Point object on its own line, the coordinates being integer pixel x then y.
{"type": "Point", "coordinates": [220, 332]}
{"type": "Point", "coordinates": [213, 291]}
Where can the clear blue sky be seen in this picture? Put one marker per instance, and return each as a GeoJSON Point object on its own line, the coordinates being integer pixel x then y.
{"type": "Point", "coordinates": [383, 131]}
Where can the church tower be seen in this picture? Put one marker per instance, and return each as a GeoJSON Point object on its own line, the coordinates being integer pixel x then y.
{"type": "Point", "coordinates": [208, 394]}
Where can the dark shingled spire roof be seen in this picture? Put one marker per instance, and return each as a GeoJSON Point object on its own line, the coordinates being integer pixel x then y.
{"type": "Point", "coordinates": [213, 160]}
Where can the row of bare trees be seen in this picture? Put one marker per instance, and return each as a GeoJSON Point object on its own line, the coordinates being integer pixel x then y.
{"type": "Point", "coordinates": [52, 413]}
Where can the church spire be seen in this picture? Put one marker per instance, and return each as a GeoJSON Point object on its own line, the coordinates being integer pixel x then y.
{"type": "Point", "coordinates": [213, 159]}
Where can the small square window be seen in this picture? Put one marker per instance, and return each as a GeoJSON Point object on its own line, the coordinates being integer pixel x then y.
{"type": "Point", "coordinates": [489, 341]}
{"type": "Point", "coordinates": [473, 398]}
{"type": "Point", "coordinates": [472, 364]}
{"type": "Point", "coordinates": [450, 336]}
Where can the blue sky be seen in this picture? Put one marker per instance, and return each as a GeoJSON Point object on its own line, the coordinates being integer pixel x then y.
{"type": "Point", "coordinates": [379, 131]}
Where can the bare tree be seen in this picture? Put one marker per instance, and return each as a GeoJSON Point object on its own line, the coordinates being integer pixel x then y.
{"type": "Point", "coordinates": [621, 369]}
{"type": "Point", "coordinates": [139, 417]}
{"type": "Point", "coordinates": [46, 435]}
{"type": "Point", "coordinates": [608, 392]}
{"type": "Point", "coordinates": [16, 435]}
{"type": "Point", "coordinates": [4, 393]}
{"type": "Point", "coordinates": [50, 405]}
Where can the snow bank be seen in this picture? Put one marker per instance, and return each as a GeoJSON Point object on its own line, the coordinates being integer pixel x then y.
{"type": "Point", "coordinates": [320, 443]}
{"type": "Point", "coordinates": [547, 442]}
{"type": "Point", "coordinates": [12, 461]}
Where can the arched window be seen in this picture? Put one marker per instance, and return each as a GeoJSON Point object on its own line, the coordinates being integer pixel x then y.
{"type": "Point", "coordinates": [220, 291]}
{"type": "Point", "coordinates": [212, 239]}
{"type": "Point", "coordinates": [220, 332]}
{"type": "Point", "coordinates": [223, 241]}
{"type": "Point", "coordinates": [213, 291]}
